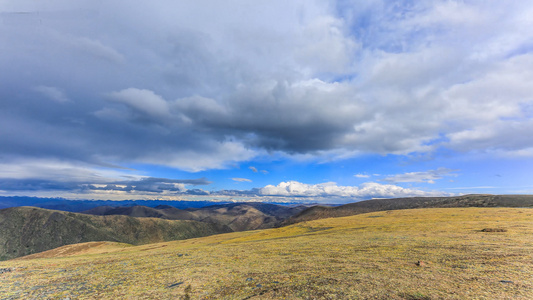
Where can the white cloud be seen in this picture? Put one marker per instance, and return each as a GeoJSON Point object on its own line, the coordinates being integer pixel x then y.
{"type": "Point", "coordinates": [97, 49]}
{"type": "Point", "coordinates": [326, 46]}
{"type": "Point", "coordinates": [52, 93]}
{"type": "Point", "coordinates": [254, 169]}
{"type": "Point", "coordinates": [331, 189]}
{"type": "Point", "coordinates": [142, 101]}
{"type": "Point", "coordinates": [62, 171]}
{"type": "Point", "coordinates": [426, 176]}
{"type": "Point", "coordinates": [241, 179]}
{"type": "Point", "coordinates": [216, 155]}
{"type": "Point", "coordinates": [362, 176]}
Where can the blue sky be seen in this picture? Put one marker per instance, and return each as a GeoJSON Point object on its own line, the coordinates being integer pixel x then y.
{"type": "Point", "coordinates": [312, 101]}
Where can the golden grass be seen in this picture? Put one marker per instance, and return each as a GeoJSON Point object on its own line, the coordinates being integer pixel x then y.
{"type": "Point", "coordinates": [79, 249]}
{"type": "Point", "coordinates": [369, 256]}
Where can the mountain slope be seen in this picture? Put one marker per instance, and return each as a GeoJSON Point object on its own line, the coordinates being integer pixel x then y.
{"type": "Point", "coordinates": [438, 253]}
{"type": "Point", "coordinates": [246, 216]}
{"type": "Point", "coordinates": [28, 230]}
{"type": "Point", "coordinates": [82, 205]}
{"type": "Point", "coordinates": [321, 212]}
{"type": "Point", "coordinates": [165, 212]}
{"type": "Point", "coordinates": [237, 216]}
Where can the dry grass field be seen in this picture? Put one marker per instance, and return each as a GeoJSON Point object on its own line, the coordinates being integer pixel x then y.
{"type": "Point", "coordinates": [441, 253]}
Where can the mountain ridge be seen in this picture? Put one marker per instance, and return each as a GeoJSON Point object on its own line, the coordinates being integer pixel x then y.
{"type": "Point", "coordinates": [367, 206]}
{"type": "Point", "coordinates": [237, 216]}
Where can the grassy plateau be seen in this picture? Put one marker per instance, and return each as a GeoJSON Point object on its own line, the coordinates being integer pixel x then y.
{"type": "Point", "coordinates": [436, 253]}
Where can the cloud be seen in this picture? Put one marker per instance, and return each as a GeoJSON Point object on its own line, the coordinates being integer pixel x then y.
{"type": "Point", "coordinates": [426, 176]}
{"type": "Point", "coordinates": [327, 46]}
{"type": "Point", "coordinates": [255, 170]}
{"type": "Point", "coordinates": [362, 176]}
{"type": "Point", "coordinates": [331, 189]}
{"type": "Point", "coordinates": [207, 155]}
{"type": "Point", "coordinates": [61, 179]}
{"type": "Point", "coordinates": [97, 49]}
{"type": "Point", "coordinates": [20, 168]}
{"type": "Point", "coordinates": [52, 93]}
{"type": "Point", "coordinates": [241, 179]}
{"type": "Point", "coordinates": [316, 79]}
{"type": "Point", "coordinates": [150, 184]}
{"type": "Point", "coordinates": [142, 101]}
{"type": "Point", "coordinates": [52, 175]}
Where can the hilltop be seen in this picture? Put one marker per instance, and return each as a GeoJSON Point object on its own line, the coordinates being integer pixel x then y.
{"type": "Point", "coordinates": [321, 212]}
{"type": "Point", "coordinates": [28, 230]}
{"type": "Point", "coordinates": [438, 253]}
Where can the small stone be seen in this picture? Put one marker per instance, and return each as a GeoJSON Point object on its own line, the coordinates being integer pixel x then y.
{"type": "Point", "coordinates": [494, 230]}
{"type": "Point", "coordinates": [421, 263]}
{"type": "Point", "coordinates": [175, 284]}
{"type": "Point", "coordinates": [506, 281]}
{"type": "Point", "coordinates": [249, 279]}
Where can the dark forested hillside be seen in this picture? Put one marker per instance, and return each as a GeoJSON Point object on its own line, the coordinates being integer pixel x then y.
{"type": "Point", "coordinates": [28, 230]}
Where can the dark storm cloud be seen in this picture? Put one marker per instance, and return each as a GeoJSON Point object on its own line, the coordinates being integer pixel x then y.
{"type": "Point", "coordinates": [150, 184]}
{"type": "Point", "coordinates": [281, 116]}
{"type": "Point", "coordinates": [120, 90]}
{"type": "Point", "coordinates": [197, 192]}
{"type": "Point", "coordinates": [36, 185]}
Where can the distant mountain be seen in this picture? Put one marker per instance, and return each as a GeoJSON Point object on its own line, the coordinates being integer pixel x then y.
{"type": "Point", "coordinates": [82, 205]}
{"type": "Point", "coordinates": [28, 230]}
{"type": "Point", "coordinates": [237, 216]}
{"type": "Point", "coordinates": [246, 216]}
{"type": "Point", "coordinates": [321, 212]}
{"type": "Point", "coordinates": [167, 212]}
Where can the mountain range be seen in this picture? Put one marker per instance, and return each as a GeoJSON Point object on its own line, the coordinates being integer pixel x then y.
{"type": "Point", "coordinates": [29, 230]}
{"type": "Point", "coordinates": [237, 216]}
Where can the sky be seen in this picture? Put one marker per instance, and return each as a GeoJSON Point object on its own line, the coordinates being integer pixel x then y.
{"type": "Point", "coordinates": [302, 101]}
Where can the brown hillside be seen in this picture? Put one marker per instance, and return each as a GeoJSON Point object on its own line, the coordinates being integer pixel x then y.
{"type": "Point", "coordinates": [28, 230]}
{"type": "Point", "coordinates": [237, 216]}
